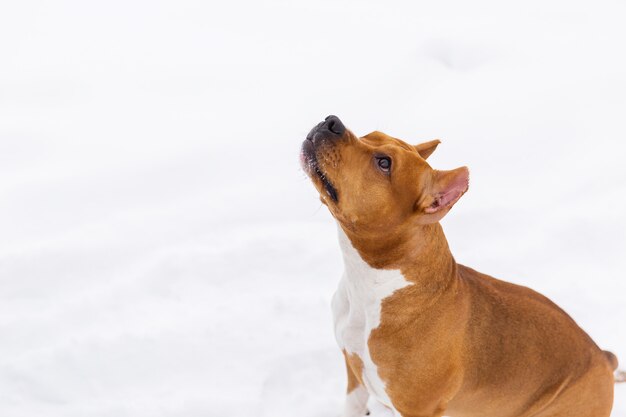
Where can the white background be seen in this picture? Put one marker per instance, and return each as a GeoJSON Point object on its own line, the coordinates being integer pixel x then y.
{"type": "Point", "coordinates": [162, 253]}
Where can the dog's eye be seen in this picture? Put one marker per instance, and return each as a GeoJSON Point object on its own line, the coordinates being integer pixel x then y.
{"type": "Point", "coordinates": [384, 163]}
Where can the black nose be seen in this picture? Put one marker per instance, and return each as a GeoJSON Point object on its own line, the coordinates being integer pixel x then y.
{"type": "Point", "coordinates": [333, 124]}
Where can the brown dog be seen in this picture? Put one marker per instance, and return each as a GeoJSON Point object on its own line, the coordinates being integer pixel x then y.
{"type": "Point", "coordinates": [420, 333]}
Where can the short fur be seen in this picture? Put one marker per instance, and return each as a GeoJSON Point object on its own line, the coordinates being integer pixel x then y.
{"type": "Point", "coordinates": [422, 334]}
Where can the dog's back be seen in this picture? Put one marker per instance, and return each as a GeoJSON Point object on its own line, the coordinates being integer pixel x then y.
{"type": "Point", "coordinates": [509, 322]}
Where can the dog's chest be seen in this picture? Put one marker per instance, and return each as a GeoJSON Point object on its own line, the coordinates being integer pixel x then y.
{"type": "Point", "coordinates": [357, 310]}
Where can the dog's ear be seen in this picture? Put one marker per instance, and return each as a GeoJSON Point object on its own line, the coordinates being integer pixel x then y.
{"type": "Point", "coordinates": [445, 189]}
{"type": "Point", "coordinates": [427, 148]}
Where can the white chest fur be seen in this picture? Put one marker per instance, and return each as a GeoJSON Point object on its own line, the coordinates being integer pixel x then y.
{"type": "Point", "coordinates": [356, 309]}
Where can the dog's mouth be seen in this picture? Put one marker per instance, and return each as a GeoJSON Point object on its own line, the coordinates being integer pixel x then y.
{"type": "Point", "coordinates": [328, 186]}
{"type": "Point", "coordinates": [308, 159]}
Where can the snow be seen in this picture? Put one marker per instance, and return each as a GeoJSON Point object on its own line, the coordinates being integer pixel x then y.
{"type": "Point", "coordinates": [161, 252]}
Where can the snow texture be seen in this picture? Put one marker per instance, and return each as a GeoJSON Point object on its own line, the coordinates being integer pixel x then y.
{"type": "Point", "coordinates": [162, 253]}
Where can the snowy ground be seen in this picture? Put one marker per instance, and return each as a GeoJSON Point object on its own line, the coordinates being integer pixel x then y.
{"type": "Point", "coordinates": [162, 254]}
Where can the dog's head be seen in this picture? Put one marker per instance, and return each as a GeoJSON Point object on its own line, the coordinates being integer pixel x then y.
{"type": "Point", "coordinates": [377, 183]}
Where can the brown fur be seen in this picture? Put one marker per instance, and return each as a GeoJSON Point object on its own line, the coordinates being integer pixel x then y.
{"type": "Point", "coordinates": [457, 342]}
{"type": "Point", "coordinates": [354, 368]}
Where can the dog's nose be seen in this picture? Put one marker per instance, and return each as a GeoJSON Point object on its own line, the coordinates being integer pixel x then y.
{"type": "Point", "coordinates": [335, 125]}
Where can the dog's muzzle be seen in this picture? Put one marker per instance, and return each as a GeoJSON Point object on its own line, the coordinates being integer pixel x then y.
{"type": "Point", "coordinates": [324, 133]}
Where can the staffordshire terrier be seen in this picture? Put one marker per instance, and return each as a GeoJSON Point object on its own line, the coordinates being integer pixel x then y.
{"type": "Point", "coordinates": [420, 333]}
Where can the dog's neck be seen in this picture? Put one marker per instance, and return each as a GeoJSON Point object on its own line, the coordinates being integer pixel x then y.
{"type": "Point", "coordinates": [422, 255]}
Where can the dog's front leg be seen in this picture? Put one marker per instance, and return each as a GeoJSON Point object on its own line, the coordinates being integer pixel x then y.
{"type": "Point", "coordinates": [356, 399]}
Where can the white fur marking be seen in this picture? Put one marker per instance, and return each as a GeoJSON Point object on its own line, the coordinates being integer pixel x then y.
{"type": "Point", "coordinates": [356, 309]}
{"type": "Point", "coordinates": [356, 402]}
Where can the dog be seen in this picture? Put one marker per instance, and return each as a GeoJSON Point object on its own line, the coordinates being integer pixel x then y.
{"type": "Point", "coordinates": [424, 335]}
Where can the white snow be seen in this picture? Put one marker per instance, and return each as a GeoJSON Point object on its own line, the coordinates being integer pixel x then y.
{"type": "Point", "coordinates": [161, 252]}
